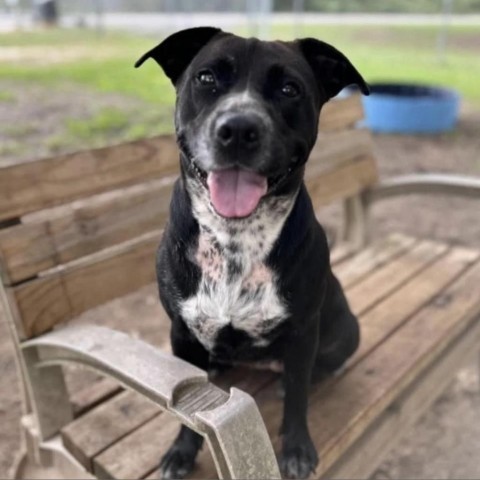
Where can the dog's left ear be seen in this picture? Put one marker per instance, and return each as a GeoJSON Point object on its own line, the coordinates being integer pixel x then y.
{"type": "Point", "coordinates": [176, 52]}
{"type": "Point", "coordinates": [331, 67]}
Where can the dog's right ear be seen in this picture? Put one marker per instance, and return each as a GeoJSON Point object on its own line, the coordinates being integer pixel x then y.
{"type": "Point", "coordinates": [176, 52]}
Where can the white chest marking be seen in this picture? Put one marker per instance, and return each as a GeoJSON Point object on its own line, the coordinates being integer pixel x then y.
{"type": "Point", "coordinates": [237, 288]}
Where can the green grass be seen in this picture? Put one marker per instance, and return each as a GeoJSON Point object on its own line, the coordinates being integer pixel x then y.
{"type": "Point", "coordinates": [102, 62]}
{"type": "Point", "coordinates": [6, 97]}
{"type": "Point", "coordinates": [104, 122]}
{"type": "Point", "coordinates": [398, 53]}
{"type": "Point", "coordinates": [105, 62]}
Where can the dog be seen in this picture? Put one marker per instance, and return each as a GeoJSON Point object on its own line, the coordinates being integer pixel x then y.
{"type": "Point", "coordinates": [243, 266]}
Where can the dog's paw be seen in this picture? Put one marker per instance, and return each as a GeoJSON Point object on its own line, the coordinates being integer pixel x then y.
{"type": "Point", "coordinates": [298, 458]}
{"type": "Point", "coordinates": [176, 463]}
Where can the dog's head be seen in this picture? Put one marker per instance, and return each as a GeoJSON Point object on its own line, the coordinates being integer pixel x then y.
{"type": "Point", "coordinates": [247, 110]}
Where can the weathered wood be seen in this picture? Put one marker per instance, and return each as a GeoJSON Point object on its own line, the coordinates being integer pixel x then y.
{"type": "Point", "coordinates": [30, 248]}
{"type": "Point", "coordinates": [345, 181]}
{"type": "Point", "coordinates": [360, 461]}
{"type": "Point", "coordinates": [363, 394]}
{"type": "Point", "coordinates": [341, 113]}
{"type": "Point", "coordinates": [98, 429]}
{"type": "Point", "coordinates": [89, 226]}
{"type": "Point", "coordinates": [147, 444]}
{"type": "Point", "coordinates": [386, 280]}
{"type": "Point", "coordinates": [396, 310]}
{"type": "Point", "coordinates": [372, 257]}
{"type": "Point", "coordinates": [94, 394]}
{"type": "Point", "coordinates": [333, 149]}
{"type": "Point", "coordinates": [136, 455]}
{"type": "Point", "coordinates": [384, 318]}
{"type": "Point", "coordinates": [342, 409]}
{"type": "Point", "coordinates": [32, 186]}
{"type": "Point", "coordinates": [64, 294]}
{"type": "Point", "coordinates": [44, 183]}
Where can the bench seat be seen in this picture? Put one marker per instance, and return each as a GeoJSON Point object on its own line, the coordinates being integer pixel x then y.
{"type": "Point", "coordinates": [419, 307]}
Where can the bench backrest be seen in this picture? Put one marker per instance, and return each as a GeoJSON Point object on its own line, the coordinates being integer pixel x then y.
{"type": "Point", "coordinates": [78, 230]}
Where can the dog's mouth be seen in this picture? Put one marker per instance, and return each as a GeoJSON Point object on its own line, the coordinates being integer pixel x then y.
{"type": "Point", "coordinates": [236, 192]}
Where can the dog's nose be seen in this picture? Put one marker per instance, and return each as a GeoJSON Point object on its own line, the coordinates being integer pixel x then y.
{"type": "Point", "coordinates": [238, 132]}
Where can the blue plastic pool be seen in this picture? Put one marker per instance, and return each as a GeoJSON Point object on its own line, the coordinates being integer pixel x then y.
{"type": "Point", "coordinates": [405, 108]}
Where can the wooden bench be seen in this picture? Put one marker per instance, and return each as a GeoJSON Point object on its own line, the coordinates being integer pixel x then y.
{"type": "Point", "coordinates": [80, 230]}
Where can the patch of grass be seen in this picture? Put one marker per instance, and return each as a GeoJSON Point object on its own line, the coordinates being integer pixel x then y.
{"type": "Point", "coordinates": [391, 53]}
{"type": "Point", "coordinates": [108, 67]}
{"type": "Point", "coordinates": [7, 97]}
{"type": "Point", "coordinates": [10, 148]}
{"type": "Point", "coordinates": [104, 122]}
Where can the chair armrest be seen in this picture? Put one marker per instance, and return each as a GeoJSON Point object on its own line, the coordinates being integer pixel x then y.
{"type": "Point", "coordinates": [231, 423]}
{"type": "Point", "coordinates": [431, 183]}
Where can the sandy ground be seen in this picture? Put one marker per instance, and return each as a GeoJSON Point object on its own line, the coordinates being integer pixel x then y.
{"type": "Point", "coordinates": [445, 443]}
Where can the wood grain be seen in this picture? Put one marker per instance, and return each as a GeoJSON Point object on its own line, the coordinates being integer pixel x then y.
{"type": "Point", "coordinates": [341, 113]}
{"type": "Point", "coordinates": [98, 429]}
{"type": "Point", "coordinates": [93, 394]}
{"type": "Point", "coordinates": [373, 256]}
{"type": "Point", "coordinates": [40, 184]}
{"type": "Point", "coordinates": [342, 182]}
{"type": "Point", "coordinates": [379, 325]}
{"type": "Point", "coordinates": [82, 230]}
{"type": "Point", "coordinates": [136, 455]}
{"type": "Point", "coordinates": [363, 394]}
{"type": "Point", "coordinates": [139, 453]}
{"type": "Point", "coordinates": [393, 275]}
{"type": "Point", "coordinates": [383, 319]}
{"type": "Point", "coordinates": [361, 462]}
{"type": "Point", "coordinates": [333, 149]}
{"type": "Point", "coordinates": [36, 185]}
{"type": "Point", "coordinates": [65, 293]}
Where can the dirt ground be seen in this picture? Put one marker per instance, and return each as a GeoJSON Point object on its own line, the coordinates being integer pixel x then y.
{"type": "Point", "coordinates": [445, 443]}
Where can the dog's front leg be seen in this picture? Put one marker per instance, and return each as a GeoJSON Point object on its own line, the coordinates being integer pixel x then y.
{"type": "Point", "coordinates": [299, 456]}
{"type": "Point", "coordinates": [180, 458]}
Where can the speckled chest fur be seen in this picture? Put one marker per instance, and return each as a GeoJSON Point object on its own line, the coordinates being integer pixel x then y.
{"type": "Point", "coordinates": [237, 288]}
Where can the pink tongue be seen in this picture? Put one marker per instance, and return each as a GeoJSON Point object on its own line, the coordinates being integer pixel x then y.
{"type": "Point", "coordinates": [234, 192]}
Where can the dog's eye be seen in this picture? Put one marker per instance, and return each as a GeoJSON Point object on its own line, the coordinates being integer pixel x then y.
{"type": "Point", "coordinates": [206, 78]}
{"type": "Point", "coordinates": [290, 89]}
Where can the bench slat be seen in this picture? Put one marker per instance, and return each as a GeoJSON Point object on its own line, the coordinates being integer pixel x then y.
{"type": "Point", "coordinates": [394, 274]}
{"type": "Point", "coordinates": [377, 330]}
{"type": "Point", "coordinates": [30, 248]}
{"type": "Point", "coordinates": [368, 388]}
{"type": "Point", "coordinates": [44, 183]}
{"type": "Point", "coordinates": [105, 424]}
{"type": "Point", "coordinates": [384, 318]}
{"type": "Point", "coordinates": [406, 409]}
{"type": "Point", "coordinates": [373, 256]}
{"type": "Point", "coordinates": [88, 226]}
{"type": "Point", "coordinates": [345, 181]}
{"type": "Point", "coordinates": [440, 279]}
{"type": "Point", "coordinates": [334, 149]}
{"type": "Point", "coordinates": [92, 395]}
{"type": "Point", "coordinates": [139, 453]}
{"type": "Point", "coordinates": [341, 408]}
{"type": "Point", "coordinates": [60, 296]}
{"type": "Point", "coordinates": [36, 185]}
{"type": "Point", "coordinates": [146, 445]}
{"type": "Point", "coordinates": [341, 113]}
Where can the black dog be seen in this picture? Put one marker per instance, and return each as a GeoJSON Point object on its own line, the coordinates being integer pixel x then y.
{"type": "Point", "coordinates": [243, 268]}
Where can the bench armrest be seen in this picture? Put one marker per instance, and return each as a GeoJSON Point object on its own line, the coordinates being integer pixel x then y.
{"type": "Point", "coordinates": [231, 423]}
{"type": "Point", "coordinates": [431, 183]}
